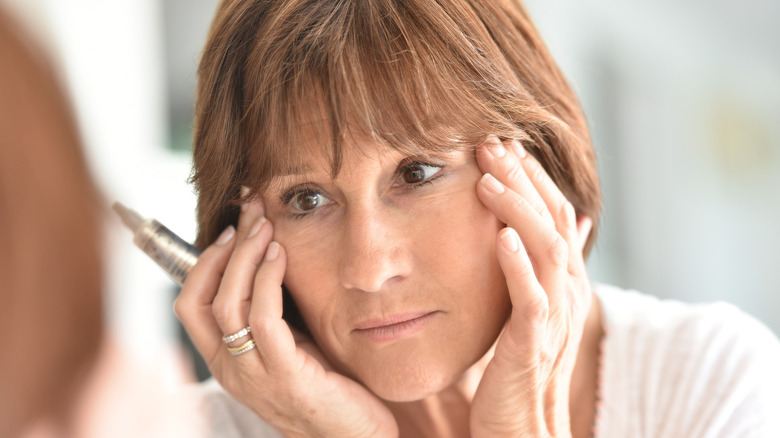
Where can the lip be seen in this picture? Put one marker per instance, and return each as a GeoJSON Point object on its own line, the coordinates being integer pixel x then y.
{"type": "Point", "coordinates": [394, 327]}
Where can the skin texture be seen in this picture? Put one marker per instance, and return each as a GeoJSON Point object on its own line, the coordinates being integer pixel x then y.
{"type": "Point", "coordinates": [374, 247]}
{"type": "Point", "coordinates": [393, 249]}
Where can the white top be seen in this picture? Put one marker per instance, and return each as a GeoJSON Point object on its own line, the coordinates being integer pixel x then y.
{"type": "Point", "coordinates": [668, 369]}
{"type": "Point", "coordinates": [680, 370]}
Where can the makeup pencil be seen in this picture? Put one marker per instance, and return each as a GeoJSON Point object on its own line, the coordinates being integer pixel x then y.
{"type": "Point", "coordinates": [168, 250]}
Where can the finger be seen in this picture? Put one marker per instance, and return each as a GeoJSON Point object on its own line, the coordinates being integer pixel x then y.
{"type": "Point", "coordinates": [584, 226]}
{"type": "Point", "coordinates": [530, 306]}
{"type": "Point", "coordinates": [193, 306]}
{"type": "Point", "coordinates": [232, 303]}
{"type": "Point", "coordinates": [561, 209]}
{"type": "Point", "coordinates": [275, 340]}
{"type": "Point", "coordinates": [251, 210]}
{"type": "Point", "coordinates": [546, 248]}
{"type": "Point", "coordinates": [504, 161]}
{"type": "Point", "coordinates": [544, 244]}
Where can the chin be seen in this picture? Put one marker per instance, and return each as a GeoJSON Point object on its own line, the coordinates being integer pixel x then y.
{"type": "Point", "coordinates": [414, 370]}
{"type": "Point", "coordinates": [407, 381]}
{"type": "Point", "coordinates": [409, 390]}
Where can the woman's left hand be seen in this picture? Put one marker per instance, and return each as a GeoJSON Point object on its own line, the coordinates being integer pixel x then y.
{"type": "Point", "coordinates": [525, 388]}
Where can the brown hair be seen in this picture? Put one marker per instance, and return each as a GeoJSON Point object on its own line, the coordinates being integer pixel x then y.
{"type": "Point", "coordinates": [50, 246]}
{"type": "Point", "coordinates": [409, 74]}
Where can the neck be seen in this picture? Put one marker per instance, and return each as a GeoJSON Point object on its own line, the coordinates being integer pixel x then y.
{"type": "Point", "coordinates": [446, 413]}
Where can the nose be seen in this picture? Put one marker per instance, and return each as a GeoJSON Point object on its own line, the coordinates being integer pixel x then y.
{"type": "Point", "coordinates": [373, 255]}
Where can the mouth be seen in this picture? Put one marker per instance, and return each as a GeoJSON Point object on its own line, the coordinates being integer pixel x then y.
{"type": "Point", "coordinates": [394, 327]}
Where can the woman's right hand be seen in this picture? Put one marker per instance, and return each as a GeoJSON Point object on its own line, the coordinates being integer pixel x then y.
{"type": "Point", "coordinates": [285, 379]}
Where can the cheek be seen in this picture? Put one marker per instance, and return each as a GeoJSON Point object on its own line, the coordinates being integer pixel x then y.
{"type": "Point", "coordinates": [305, 242]}
{"type": "Point", "coordinates": [460, 224]}
{"type": "Point", "coordinates": [461, 254]}
{"type": "Point", "coordinates": [457, 257]}
{"type": "Point", "coordinates": [449, 236]}
{"type": "Point", "coordinates": [308, 275]}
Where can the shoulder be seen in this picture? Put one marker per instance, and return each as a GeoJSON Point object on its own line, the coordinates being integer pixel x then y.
{"type": "Point", "coordinates": [219, 415]}
{"type": "Point", "coordinates": [628, 314]}
{"type": "Point", "coordinates": [697, 330]}
{"type": "Point", "coordinates": [687, 369]}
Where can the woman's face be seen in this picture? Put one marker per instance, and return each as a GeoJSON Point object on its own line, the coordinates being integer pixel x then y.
{"type": "Point", "coordinates": [392, 265]}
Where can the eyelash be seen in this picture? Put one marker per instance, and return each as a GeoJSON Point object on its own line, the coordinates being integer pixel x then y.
{"type": "Point", "coordinates": [288, 196]}
{"type": "Point", "coordinates": [425, 182]}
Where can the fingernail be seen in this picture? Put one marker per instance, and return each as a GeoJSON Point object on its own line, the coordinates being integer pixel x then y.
{"type": "Point", "coordinates": [497, 149]}
{"type": "Point", "coordinates": [519, 149]}
{"type": "Point", "coordinates": [492, 139]}
{"type": "Point", "coordinates": [492, 184]}
{"type": "Point", "coordinates": [510, 240]}
{"type": "Point", "coordinates": [226, 235]}
{"type": "Point", "coordinates": [272, 252]}
{"type": "Point", "coordinates": [256, 227]}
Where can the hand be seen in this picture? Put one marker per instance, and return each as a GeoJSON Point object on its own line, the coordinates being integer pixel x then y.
{"type": "Point", "coordinates": [285, 379]}
{"type": "Point", "coordinates": [525, 388]}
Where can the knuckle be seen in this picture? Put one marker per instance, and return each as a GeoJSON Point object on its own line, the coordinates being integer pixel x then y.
{"type": "Point", "coordinates": [523, 270]}
{"type": "Point", "coordinates": [212, 261]}
{"type": "Point", "coordinates": [567, 214]}
{"type": "Point", "coordinates": [262, 328]}
{"type": "Point", "coordinates": [180, 307]}
{"type": "Point", "coordinates": [211, 255]}
{"type": "Point", "coordinates": [536, 311]}
{"type": "Point", "coordinates": [568, 208]}
{"type": "Point", "coordinates": [548, 355]}
{"type": "Point", "coordinates": [514, 172]}
{"type": "Point", "coordinates": [542, 210]}
{"type": "Point", "coordinates": [518, 204]}
{"type": "Point", "coordinates": [549, 220]}
{"type": "Point", "coordinates": [221, 310]}
{"type": "Point", "coordinates": [537, 172]}
{"type": "Point", "coordinates": [558, 251]}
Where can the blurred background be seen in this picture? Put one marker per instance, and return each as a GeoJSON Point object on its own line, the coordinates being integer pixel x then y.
{"type": "Point", "coordinates": [683, 99]}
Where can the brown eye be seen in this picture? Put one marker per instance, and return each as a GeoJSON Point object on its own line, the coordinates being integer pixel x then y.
{"type": "Point", "coordinates": [416, 173]}
{"type": "Point", "coordinates": [413, 174]}
{"type": "Point", "coordinates": [308, 200]}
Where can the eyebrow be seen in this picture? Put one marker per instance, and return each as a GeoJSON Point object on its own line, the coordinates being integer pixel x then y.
{"type": "Point", "coordinates": [304, 169]}
{"type": "Point", "coordinates": [292, 171]}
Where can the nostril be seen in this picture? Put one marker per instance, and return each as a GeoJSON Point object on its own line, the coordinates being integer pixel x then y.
{"type": "Point", "coordinates": [373, 252]}
{"type": "Point", "coordinates": [370, 273]}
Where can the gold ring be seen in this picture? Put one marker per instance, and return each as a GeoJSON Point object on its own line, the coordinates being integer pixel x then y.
{"type": "Point", "coordinates": [243, 348]}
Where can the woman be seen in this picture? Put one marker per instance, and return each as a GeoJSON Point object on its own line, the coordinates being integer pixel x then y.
{"type": "Point", "coordinates": [405, 192]}
{"type": "Point", "coordinates": [63, 373]}
{"type": "Point", "coordinates": [50, 320]}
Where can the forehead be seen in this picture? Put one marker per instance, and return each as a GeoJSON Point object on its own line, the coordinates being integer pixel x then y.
{"type": "Point", "coordinates": [321, 140]}
{"type": "Point", "coordinates": [315, 152]}
{"type": "Point", "coordinates": [312, 127]}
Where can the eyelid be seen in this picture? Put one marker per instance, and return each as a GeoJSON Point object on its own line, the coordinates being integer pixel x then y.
{"type": "Point", "coordinates": [288, 199]}
{"type": "Point", "coordinates": [440, 171]}
{"type": "Point", "coordinates": [287, 195]}
{"type": "Point", "coordinates": [425, 160]}
{"type": "Point", "coordinates": [420, 160]}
